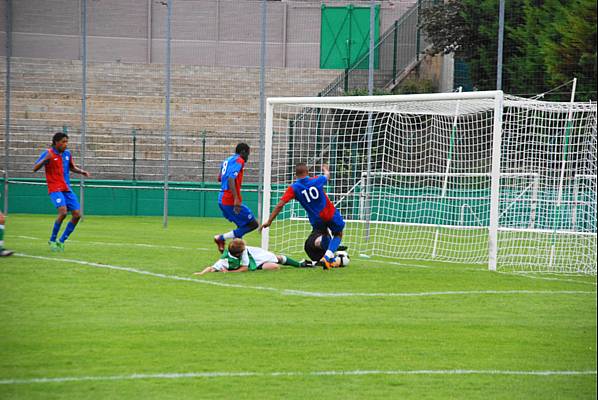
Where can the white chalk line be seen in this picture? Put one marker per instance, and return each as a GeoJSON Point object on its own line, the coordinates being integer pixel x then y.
{"type": "Point", "coordinates": [148, 273]}
{"type": "Point", "coordinates": [292, 292]}
{"type": "Point", "coordinates": [154, 246]}
{"type": "Point", "coordinates": [187, 375]}
{"type": "Point", "coordinates": [483, 270]}
{"type": "Point", "coordinates": [398, 263]}
{"type": "Point", "coordinates": [545, 278]}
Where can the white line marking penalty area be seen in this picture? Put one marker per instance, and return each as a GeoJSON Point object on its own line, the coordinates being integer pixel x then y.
{"type": "Point", "coordinates": [282, 373]}
{"type": "Point", "coordinates": [146, 245]}
{"type": "Point", "coordinates": [303, 293]}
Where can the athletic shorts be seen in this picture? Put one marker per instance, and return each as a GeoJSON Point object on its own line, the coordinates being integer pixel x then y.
{"type": "Point", "coordinates": [314, 252]}
{"type": "Point", "coordinates": [262, 256]}
{"type": "Point", "coordinates": [244, 216]}
{"type": "Point", "coordinates": [68, 199]}
{"type": "Point", "coordinates": [336, 224]}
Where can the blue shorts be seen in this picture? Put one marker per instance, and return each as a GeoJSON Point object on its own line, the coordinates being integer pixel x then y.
{"type": "Point", "coordinates": [336, 224]}
{"type": "Point", "coordinates": [244, 216]}
{"type": "Point", "coordinates": [68, 199]}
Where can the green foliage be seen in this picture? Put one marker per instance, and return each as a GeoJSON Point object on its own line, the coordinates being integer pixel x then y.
{"type": "Point", "coordinates": [571, 49]}
{"type": "Point", "coordinates": [446, 27]}
{"type": "Point", "coordinates": [415, 85]}
{"type": "Point", "coordinates": [364, 92]}
{"type": "Point", "coordinates": [408, 86]}
{"type": "Point", "coordinates": [547, 42]}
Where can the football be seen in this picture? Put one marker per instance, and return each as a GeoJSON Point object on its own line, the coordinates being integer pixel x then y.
{"type": "Point", "coordinates": [343, 258]}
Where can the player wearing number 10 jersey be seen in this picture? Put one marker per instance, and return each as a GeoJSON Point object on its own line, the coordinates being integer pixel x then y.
{"type": "Point", "coordinates": [323, 216]}
{"type": "Point", "coordinates": [229, 198]}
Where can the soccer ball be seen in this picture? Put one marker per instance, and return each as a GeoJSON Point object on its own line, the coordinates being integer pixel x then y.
{"type": "Point", "coordinates": [342, 258]}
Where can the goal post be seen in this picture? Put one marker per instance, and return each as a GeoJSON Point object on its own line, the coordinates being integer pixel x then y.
{"type": "Point", "coordinates": [455, 177]}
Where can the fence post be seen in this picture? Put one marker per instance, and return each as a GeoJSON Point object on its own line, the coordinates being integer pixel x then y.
{"type": "Point", "coordinates": [169, 5]}
{"type": "Point", "coordinates": [203, 156]}
{"type": "Point", "coordinates": [83, 102]}
{"type": "Point", "coordinates": [418, 31]}
{"type": "Point", "coordinates": [202, 194]}
{"type": "Point", "coordinates": [134, 196]}
{"type": "Point", "coordinates": [7, 101]}
{"type": "Point", "coordinates": [262, 122]}
{"type": "Point", "coordinates": [394, 52]}
{"type": "Point", "coordinates": [291, 152]}
{"type": "Point", "coordinates": [346, 80]}
{"type": "Point", "coordinates": [134, 154]}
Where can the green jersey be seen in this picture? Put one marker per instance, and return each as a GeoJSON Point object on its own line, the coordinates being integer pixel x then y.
{"type": "Point", "coordinates": [235, 263]}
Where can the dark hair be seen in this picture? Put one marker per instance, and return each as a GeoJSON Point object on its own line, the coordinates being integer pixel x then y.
{"type": "Point", "coordinates": [58, 136]}
{"type": "Point", "coordinates": [242, 148]}
{"type": "Point", "coordinates": [301, 169]}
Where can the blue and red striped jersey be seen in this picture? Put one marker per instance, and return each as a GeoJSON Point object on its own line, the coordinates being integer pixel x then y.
{"type": "Point", "coordinates": [309, 192]}
{"type": "Point", "coordinates": [57, 170]}
{"type": "Point", "coordinates": [232, 167]}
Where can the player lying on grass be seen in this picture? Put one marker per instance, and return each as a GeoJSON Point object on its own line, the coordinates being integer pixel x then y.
{"type": "Point", "coordinates": [229, 199]}
{"type": "Point", "coordinates": [323, 216]}
{"type": "Point", "coordinates": [242, 258]}
{"type": "Point", "coordinates": [58, 164]}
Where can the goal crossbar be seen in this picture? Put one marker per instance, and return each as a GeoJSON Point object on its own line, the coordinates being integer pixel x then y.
{"type": "Point", "coordinates": [481, 161]}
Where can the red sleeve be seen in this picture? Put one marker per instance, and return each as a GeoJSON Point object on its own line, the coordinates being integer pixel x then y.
{"type": "Point", "coordinates": [288, 195]}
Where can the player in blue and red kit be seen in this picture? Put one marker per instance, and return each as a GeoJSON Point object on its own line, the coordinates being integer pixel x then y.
{"type": "Point", "coordinates": [229, 198]}
{"type": "Point", "coordinates": [58, 163]}
{"type": "Point", "coordinates": [323, 216]}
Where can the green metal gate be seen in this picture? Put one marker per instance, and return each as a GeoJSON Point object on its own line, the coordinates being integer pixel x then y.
{"type": "Point", "coordinates": [345, 36]}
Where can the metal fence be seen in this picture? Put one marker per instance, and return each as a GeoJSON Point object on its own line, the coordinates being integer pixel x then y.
{"type": "Point", "coordinates": [155, 90]}
{"type": "Point", "coordinates": [397, 52]}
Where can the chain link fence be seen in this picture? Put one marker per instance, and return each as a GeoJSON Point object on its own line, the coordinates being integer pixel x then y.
{"type": "Point", "coordinates": [155, 91]}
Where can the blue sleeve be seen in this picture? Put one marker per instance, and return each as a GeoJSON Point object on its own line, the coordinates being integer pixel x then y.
{"type": "Point", "coordinates": [41, 157]}
{"type": "Point", "coordinates": [233, 169]}
{"type": "Point", "coordinates": [321, 180]}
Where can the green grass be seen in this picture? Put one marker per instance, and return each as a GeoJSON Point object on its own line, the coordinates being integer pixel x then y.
{"type": "Point", "coordinates": [63, 319]}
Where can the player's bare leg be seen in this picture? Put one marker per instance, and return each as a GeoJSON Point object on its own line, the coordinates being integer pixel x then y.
{"type": "Point", "coordinates": [270, 266]}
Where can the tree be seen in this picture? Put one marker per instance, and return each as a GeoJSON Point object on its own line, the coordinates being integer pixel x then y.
{"type": "Point", "coordinates": [570, 51]}
{"type": "Point", "coordinates": [547, 42]}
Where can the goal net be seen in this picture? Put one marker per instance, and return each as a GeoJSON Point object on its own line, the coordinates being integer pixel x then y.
{"type": "Point", "coordinates": [455, 177]}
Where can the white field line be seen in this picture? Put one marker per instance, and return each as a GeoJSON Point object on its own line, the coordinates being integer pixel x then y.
{"type": "Point", "coordinates": [544, 278]}
{"type": "Point", "coordinates": [401, 264]}
{"type": "Point", "coordinates": [186, 375]}
{"type": "Point", "coordinates": [148, 273]}
{"type": "Point", "coordinates": [154, 246]}
{"type": "Point", "coordinates": [293, 292]}
{"type": "Point", "coordinates": [484, 270]}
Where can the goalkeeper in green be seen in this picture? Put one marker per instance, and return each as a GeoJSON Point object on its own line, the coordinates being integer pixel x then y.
{"type": "Point", "coordinates": [242, 258]}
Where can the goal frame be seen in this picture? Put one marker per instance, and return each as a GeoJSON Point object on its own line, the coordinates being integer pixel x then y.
{"type": "Point", "coordinates": [496, 95]}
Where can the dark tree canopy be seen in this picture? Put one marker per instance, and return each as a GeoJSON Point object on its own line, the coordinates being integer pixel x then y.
{"type": "Point", "coordinates": [547, 42]}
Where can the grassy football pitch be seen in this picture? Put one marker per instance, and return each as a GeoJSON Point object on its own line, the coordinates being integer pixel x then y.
{"type": "Point", "coordinates": [120, 315]}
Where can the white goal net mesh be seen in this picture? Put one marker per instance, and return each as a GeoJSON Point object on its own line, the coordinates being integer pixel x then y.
{"type": "Point", "coordinates": [421, 187]}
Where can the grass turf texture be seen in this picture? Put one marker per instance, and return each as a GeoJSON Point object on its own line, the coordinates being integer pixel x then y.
{"type": "Point", "coordinates": [62, 319]}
